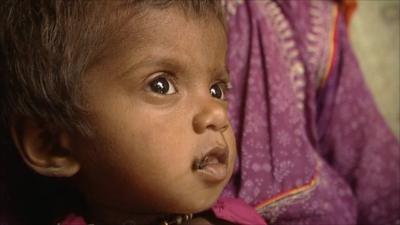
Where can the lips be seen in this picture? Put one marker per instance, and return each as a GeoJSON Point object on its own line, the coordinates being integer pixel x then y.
{"type": "Point", "coordinates": [212, 167]}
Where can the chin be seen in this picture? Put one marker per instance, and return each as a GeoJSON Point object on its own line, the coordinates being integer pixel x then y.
{"type": "Point", "coordinates": [200, 204]}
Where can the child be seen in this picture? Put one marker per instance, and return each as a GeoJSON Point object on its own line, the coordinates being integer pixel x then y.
{"type": "Point", "coordinates": [119, 102]}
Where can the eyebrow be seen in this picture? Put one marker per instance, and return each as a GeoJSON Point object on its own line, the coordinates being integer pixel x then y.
{"type": "Point", "coordinates": [227, 72]}
{"type": "Point", "coordinates": [172, 64]}
{"type": "Point", "coordinates": [153, 60]}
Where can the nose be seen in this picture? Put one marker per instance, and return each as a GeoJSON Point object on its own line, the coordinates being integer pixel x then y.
{"type": "Point", "coordinates": [211, 115]}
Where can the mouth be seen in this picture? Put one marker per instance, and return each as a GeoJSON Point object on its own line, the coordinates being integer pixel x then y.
{"type": "Point", "coordinates": [213, 166]}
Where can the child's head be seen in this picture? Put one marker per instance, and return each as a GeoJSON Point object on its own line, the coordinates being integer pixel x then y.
{"type": "Point", "coordinates": [124, 98]}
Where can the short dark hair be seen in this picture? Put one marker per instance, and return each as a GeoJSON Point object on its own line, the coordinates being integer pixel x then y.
{"type": "Point", "coordinates": [46, 46]}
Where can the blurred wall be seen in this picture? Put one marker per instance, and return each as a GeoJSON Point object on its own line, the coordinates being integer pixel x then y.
{"type": "Point", "coordinates": [375, 31]}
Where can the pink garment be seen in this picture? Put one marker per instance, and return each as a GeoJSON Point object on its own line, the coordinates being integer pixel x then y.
{"type": "Point", "coordinates": [73, 219]}
{"type": "Point", "coordinates": [235, 210]}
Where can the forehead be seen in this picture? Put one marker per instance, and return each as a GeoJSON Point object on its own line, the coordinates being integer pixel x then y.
{"type": "Point", "coordinates": [168, 34]}
{"type": "Point", "coordinates": [163, 20]}
{"type": "Point", "coordinates": [170, 26]}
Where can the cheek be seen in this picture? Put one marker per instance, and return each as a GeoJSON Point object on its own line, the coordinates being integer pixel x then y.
{"type": "Point", "coordinates": [134, 169]}
{"type": "Point", "coordinates": [152, 147]}
{"type": "Point", "coordinates": [231, 142]}
{"type": "Point", "coordinates": [230, 138]}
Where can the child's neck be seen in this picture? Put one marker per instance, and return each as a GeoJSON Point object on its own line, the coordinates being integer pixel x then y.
{"type": "Point", "coordinates": [104, 216]}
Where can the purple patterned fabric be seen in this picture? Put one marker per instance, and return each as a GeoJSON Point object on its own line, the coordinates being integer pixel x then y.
{"type": "Point", "coordinates": [309, 154]}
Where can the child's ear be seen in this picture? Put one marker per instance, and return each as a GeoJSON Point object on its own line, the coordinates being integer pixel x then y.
{"type": "Point", "coordinates": [48, 153]}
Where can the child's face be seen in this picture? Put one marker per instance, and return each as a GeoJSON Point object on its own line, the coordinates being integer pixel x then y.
{"type": "Point", "coordinates": [157, 107]}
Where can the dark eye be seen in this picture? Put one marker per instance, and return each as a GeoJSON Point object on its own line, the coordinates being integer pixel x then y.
{"type": "Point", "coordinates": [161, 85]}
{"type": "Point", "coordinates": [218, 90]}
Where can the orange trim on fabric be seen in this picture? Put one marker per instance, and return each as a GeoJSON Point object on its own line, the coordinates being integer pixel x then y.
{"type": "Point", "coordinates": [332, 46]}
{"type": "Point", "coordinates": [312, 183]}
{"type": "Point", "coordinates": [348, 7]}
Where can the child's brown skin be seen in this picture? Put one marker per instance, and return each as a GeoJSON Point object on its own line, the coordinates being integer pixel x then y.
{"type": "Point", "coordinates": [156, 104]}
